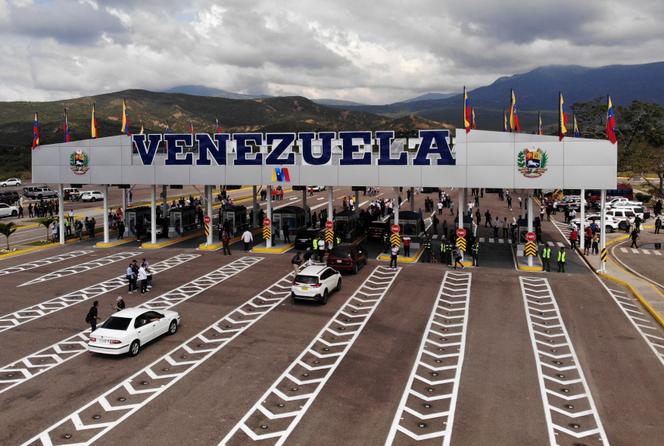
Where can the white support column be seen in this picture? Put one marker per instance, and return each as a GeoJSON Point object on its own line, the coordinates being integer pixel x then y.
{"type": "Point", "coordinates": [153, 215]}
{"type": "Point", "coordinates": [307, 217]}
{"type": "Point", "coordinates": [412, 199]}
{"type": "Point", "coordinates": [124, 201]}
{"type": "Point", "coordinates": [254, 206]}
{"type": "Point", "coordinates": [396, 206]}
{"type": "Point", "coordinates": [268, 196]}
{"type": "Point", "coordinates": [357, 201]}
{"type": "Point", "coordinates": [461, 208]}
{"type": "Point", "coordinates": [106, 236]}
{"type": "Point", "coordinates": [61, 215]}
{"type": "Point", "coordinates": [602, 230]}
{"type": "Point", "coordinates": [582, 232]}
{"type": "Point", "coordinates": [530, 222]}
{"type": "Point", "coordinates": [330, 203]}
{"type": "Point", "coordinates": [208, 204]}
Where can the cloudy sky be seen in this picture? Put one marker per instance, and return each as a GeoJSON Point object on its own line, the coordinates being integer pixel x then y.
{"type": "Point", "coordinates": [362, 50]}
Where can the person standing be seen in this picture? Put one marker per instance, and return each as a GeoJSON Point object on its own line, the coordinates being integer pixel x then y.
{"type": "Point", "coordinates": [296, 261]}
{"type": "Point", "coordinates": [284, 228]}
{"type": "Point", "coordinates": [595, 250]}
{"type": "Point", "coordinates": [634, 236]}
{"type": "Point", "coordinates": [475, 253]}
{"type": "Point", "coordinates": [394, 253]}
{"type": "Point", "coordinates": [562, 258]}
{"type": "Point", "coordinates": [121, 229]}
{"type": "Point", "coordinates": [406, 246]}
{"type": "Point", "coordinates": [546, 258]}
{"type": "Point", "coordinates": [226, 241]}
{"type": "Point", "coordinates": [573, 237]}
{"type": "Point", "coordinates": [143, 279]}
{"type": "Point", "coordinates": [93, 316]}
{"type": "Point", "coordinates": [131, 278]}
{"type": "Point", "coordinates": [658, 224]}
{"type": "Point", "coordinates": [247, 239]}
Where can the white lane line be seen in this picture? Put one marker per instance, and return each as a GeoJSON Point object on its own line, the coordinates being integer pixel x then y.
{"type": "Point", "coordinates": [427, 406]}
{"type": "Point", "coordinates": [320, 198]}
{"type": "Point", "coordinates": [83, 267]}
{"type": "Point", "coordinates": [282, 406]}
{"type": "Point", "coordinates": [43, 262]}
{"type": "Point", "coordinates": [43, 360]}
{"type": "Point", "coordinates": [124, 399]}
{"type": "Point", "coordinates": [623, 249]}
{"type": "Point", "coordinates": [657, 253]}
{"type": "Point", "coordinates": [565, 393]}
{"type": "Point", "coordinates": [645, 251]}
{"type": "Point", "coordinates": [635, 251]}
{"type": "Point", "coordinates": [28, 314]}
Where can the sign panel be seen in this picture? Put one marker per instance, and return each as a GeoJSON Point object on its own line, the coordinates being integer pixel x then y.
{"type": "Point", "coordinates": [460, 232]}
{"type": "Point", "coordinates": [531, 237]}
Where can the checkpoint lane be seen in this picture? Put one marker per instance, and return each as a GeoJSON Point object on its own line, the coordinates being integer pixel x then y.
{"type": "Point", "coordinates": [622, 371]}
{"type": "Point", "coordinates": [645, 260]}
{"type": "Point", "coordinates": [213, 397]}
{"type": "Point", "coordinates": [83, 378]}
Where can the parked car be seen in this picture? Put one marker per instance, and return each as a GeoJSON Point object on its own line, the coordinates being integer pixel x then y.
{"type": "Point", "coordinates": [9, 196]}
{"type": "Point", "coordinates": [316, 188]}
{"type": "Point", "coordinates": [92, 195]}
{"type": "Point", "coordinates": [622, 216]}
{"type": "Point", "coordinates": [304, 238]}
{"type": "Point", "coordinates": [347, 257]}
{"type": "Point", "coordinates": [316, 282]}
{"type": "Point", "coordinates": [71, 193]}
{"type": "Point", "coordinates": [10, 182]}
{"type": "Point", "coordinates": [39, 192]}
{"type": "Point", "coordinates": [611, 223]}
{"type": "Point", "coordinates": [127, 331]}
{"type": "Point", "coordinates": [7, 210]}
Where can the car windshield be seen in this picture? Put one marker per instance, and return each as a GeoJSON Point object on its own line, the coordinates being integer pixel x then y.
{"type": "Point", "coordinates": [307, 280]}
{"type": "Point", "coordinates": [340, 251]}
{"type": "Point", "coordinates": [116, 323]}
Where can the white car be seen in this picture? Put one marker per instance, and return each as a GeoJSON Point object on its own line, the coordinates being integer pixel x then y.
{"type": "Point", "coordinates": [316, 282]}
{"type": "Point", "coordinates": [128, 330]}
{"type": "Point", "coordinates": [92, 195]}
{"type": "Point", "coordinates": [316, 188]}
{"type": "Point", "coordinates": [611, 224]}
{"type": "Point", "coordinates": [10, 182]}
{"type": "Point", "coordinates": [7, 210]}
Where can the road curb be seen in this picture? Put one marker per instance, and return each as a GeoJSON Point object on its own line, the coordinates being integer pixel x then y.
{"type": "Point", "coordinates": [170, 242]}
{"type": "Point", "coordinates": [273, 250]}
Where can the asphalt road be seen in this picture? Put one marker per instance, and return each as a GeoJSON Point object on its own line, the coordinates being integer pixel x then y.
{"type": "Point", "coordinates": [487, 355]}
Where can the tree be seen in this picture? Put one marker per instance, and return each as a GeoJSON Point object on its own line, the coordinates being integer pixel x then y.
{"type": "Point", "coordinates": [7, 229]}
{"type": "Point", "coordinates": [46, 222]}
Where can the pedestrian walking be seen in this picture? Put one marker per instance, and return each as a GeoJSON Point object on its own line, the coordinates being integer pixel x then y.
{"type": "Point", "coordinates": [634, 236]}
{"type": "Point", "coordinates": [247, 239]}
{"type": "Point", "coordinates": [119, 304]}
{"type": "Point", "coordinates": [226, 242]}
{"type": "Point", "coordinates": [546, 258]}
{"type": "Point", "coordinates": [562, 258]}
{"type": "Point", "coordinates": [658, 224]}
{"type": "Point", "coordinates": [93, 316]}
{"type": "Point", "coordinates": [394, 253]}
{"type": "Point", "coordinates": [458, 257]}
{"type": "Point", "coordinates": [573, 237]}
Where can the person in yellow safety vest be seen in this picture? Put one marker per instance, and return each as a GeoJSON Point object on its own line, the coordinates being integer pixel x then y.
{"type": "Point", "coordinates": [562, 257]}
{"type": "Point", "coordinates": [338, 240]}
{"type": "Point", "coordinates": [546, 259]}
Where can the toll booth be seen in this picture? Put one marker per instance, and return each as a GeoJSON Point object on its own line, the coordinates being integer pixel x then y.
{"type": "Point", "coordinates": [134, 216]}
{"type": "Point", "coordinates": [292, 215]}
{"type": "Point", "coordinates": [236, 216]}
{"type": "Point", "coordinates": [182, 220]}
{"type": "Point", "coordinates": [411, 223]}
{"type": "Point", "coordinates": [347, 225]}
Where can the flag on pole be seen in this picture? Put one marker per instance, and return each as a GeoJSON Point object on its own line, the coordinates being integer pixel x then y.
{"type": "Point", "coordinates": [540, 129]}
{"type": "Point", "coordinates": [562, 117]}
{"type": "Point", "coordinates": [36, 130]}
{"type": "Point", "coordinates": [142, 131]}
{"type": "Point", "coordinates": [191, 128]}
{"type": "Point", "coordinates": [65, 128]}
{"type": "Point", "coordinates": [504, 121]}
{"type": "Point", "coordinates": [93, 124]}
{"type": "Point", "coordinates": [610, 121]}
{"type": "Point", "coordinates": [467, 111]}
{"type": "Point", "coordinates": [125, 119]}
{"type": "Point", "coordinates": [168, 128]}
{"type": "Point", "coordinates": [577, 133]}
{"type": "Point", "coordinates": [474, 121]}
{"type": "Point", "coordinates": [217, 128]}
{"type": "Point", "coordinates": [514, 114]}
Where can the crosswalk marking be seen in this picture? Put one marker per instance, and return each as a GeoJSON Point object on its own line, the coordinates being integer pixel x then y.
{"type": "Point", "coordinates": [142, 387]}
{"type": "Point", "coordinates": [494, 240]}
{"type": "Point", "coordinates": [646, 252]}
{"type": "Point", "coordinates": [83, 267]}
{"type": "Point", "coordinates": [33, 312]}
{"type": "Point", "coordinates": [640, 251]}
{"type": "Point", "coordinates": [278, 411]}
{"type": "Point", "coordinates": [623, 249]}
{"type": "Point", "coordinates": [554, 244]}
{"type": "Point", "coordinates": [560, 375]}
{"type": "Point", "coordinates": [635, 251]}
{"type": "Point", "coordinates": [427, 406]}
{"type": "Point", "coordinates": [43, 262]}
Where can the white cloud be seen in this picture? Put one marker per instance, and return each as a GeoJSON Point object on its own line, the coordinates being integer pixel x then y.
{"type": "Point", "coordinates": [359, 50]}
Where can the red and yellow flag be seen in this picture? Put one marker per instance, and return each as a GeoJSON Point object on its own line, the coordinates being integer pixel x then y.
{"type": "Point", "coordinates": [125, 118]}
{"type": "Point", "coordinates": [36, 131]}
{"type": "Point", "coordinates": [515, 126]}
{"type": "Point", "coordinates": [93, 124]}
{"type": "Point", "coordinates": [467, 111]}
{"type": "Point", "coordinates": [562, 117]}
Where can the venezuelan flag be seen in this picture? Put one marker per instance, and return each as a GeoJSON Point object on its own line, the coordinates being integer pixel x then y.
{"type": "Point", "coordinates": [610, 121]}
{"type": "Point", "coordinates": [65, 128]}
{"type": "Point", "coordinates": [474, 121]}
{"type": "Point", "coordinates": [514, 114]}
{"type": "Point", "coordinates": [577, 133]}
{"type": "Point", "coordinates": [504, 121]}
{"type": "Point", "coordinates": [36, 130]}
{"type": "Point", "coordinates": [467, 111]}
{"type": "Point", "coordinates": [217, 127]}
{"type": "Point", "coordinates": [562, 117]}
{"type": "Point", "coordinates": [125, 118]}
{"type": "Point", "coordinates": [93, 124]}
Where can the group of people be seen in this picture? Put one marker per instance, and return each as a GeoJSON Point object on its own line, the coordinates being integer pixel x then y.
{"type": "Point", "coordinates": [139, 277]}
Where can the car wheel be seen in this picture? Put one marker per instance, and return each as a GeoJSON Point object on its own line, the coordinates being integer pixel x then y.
{"type": "Point", "coordinates": [134, 348]}
{"type": "Point", "coordinates": [173, 328]}
{"type": "Point", "coordinates": [338, 288]}
{"type": "Point", "coordinates": [355, 268]}
{"type": "Point", "coordinates": [325, 297]}
{"type": "Point", "coordinates": [610, 229]}
{"type": "Point", "coordinates": [14, 213]}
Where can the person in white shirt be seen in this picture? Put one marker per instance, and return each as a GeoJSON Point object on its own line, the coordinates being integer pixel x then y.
{"type": "Point", "coordinates": [247, 239]}
{"type": "Point", "coordinates": [143, 279]}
